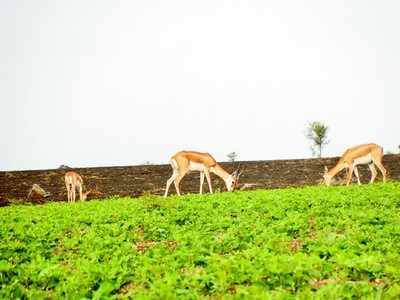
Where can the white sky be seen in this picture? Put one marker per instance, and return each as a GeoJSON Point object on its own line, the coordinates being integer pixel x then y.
{"type": "Point", "coordinates": [96, 83]}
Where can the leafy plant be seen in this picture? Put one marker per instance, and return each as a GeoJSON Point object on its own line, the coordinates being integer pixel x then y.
{"type": "Point", "coordinates": [312, 242]}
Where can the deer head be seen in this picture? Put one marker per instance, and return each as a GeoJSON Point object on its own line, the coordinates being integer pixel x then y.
{"type": "Point", "coordinates": [235, 178]}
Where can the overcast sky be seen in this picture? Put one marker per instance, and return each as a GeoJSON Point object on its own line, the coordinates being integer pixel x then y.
{"type": "Point", "coordinates": [101, 83]}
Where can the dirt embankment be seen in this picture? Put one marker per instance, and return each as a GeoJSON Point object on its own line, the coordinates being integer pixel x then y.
{"type": "Point", "coordinates": [137, 180]}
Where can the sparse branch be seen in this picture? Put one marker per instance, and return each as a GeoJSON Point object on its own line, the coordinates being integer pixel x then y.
{"type": "Point", "coordinates": [317, 133]}
{"type": "Point", "coordinates": [232, 156]}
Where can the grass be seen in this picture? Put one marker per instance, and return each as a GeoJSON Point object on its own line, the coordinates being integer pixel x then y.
{"type": "Point", "coordinates": [296, 243]}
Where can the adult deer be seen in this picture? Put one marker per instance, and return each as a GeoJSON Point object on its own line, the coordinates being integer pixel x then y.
{"type": "Point", "coordinates": [185, 161]}
{"type": "Point", "coordinates": [370, 154]}
{"type": "Point", "coordinates": [74, 181]}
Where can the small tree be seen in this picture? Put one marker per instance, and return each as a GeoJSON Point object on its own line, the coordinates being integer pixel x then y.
{"type": "Point", "coordinates": [232, 156]}
{"type": "Point", "coordinates": [317, 133]}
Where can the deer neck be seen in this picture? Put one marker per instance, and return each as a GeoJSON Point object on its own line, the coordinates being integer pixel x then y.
{"type": "Point", "coordinates": [336, 169]}
{"type": "Point", "coordinates": [217, 170]}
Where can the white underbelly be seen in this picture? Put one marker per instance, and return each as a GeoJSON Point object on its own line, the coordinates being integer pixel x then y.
{"type": "Point", "coordinates": [196, 167]}
{"type": "Point", "coordinates": [367, 159]}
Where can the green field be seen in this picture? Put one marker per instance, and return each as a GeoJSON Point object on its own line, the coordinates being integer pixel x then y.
{"type": "Point", "coordinates": [314, 242]}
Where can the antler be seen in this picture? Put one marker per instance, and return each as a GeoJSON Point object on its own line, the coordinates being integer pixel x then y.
{"type": "Point", "coordinates": [238, 171]}
{"type": "Point", "coordinates": [234, 173]}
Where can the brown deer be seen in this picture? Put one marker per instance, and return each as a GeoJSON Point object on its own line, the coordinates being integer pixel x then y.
{"type": "Point", "coordinates": [185, 161]}
{"type": "Point", "coordinates": [74, 181]}
{"type": "Point", "coordinates": [370, 154]}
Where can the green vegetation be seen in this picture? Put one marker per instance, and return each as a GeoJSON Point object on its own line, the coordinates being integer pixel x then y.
{"type": "Point", "coordinates": [314, 242]}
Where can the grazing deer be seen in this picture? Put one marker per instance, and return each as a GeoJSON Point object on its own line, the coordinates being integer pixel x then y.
{"type": "Point", "coordinates": [73, 181]}
{"type": "Point", "coordinates": [370, 154]}
{"type": "Point", "coordinates": [185, 161]}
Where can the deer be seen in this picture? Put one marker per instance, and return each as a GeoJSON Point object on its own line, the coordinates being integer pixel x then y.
{"type": "Point", "coordinates": [74, 181]}
{"type": "Point", "coordinates": [184, 162]}
{"type": "Point", "coordinates": [370, 154]}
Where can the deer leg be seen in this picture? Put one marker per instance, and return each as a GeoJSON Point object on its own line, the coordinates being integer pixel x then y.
{"type": "Point", "coordinates": [70, 193]}
{"type": "Point", "coordinates": [177, 182]}
{"type": "Point", "coordinates": [349, 174]}
{"type": "Point", "coordinates": [67, 187]}
{"type": "Point", "coordinates": [73, 196]}
{"type": "Point", "coordinates": [80, 192]}
{"type": "Point", "coordinates": [208, 180]}
{"type": "Point", "coordinates": [382, 169]}
{"type": "Point", "coordinates": [357, 175]}
{"type": "Point", "coordinates": [373, 172]}
{"type": "Point", "coordinates": [169, 181]}
{"type": "Point", "coordinates": [201, 182]}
